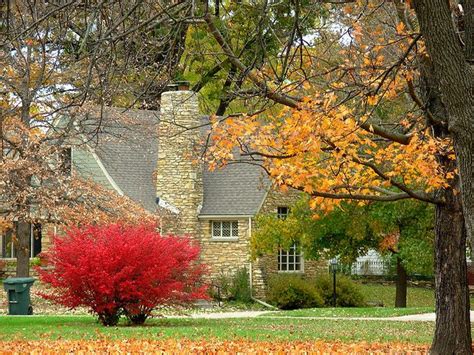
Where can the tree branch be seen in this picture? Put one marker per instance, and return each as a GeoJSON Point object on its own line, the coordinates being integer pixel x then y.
{"type": "Point", "coordinates": [284, 99]}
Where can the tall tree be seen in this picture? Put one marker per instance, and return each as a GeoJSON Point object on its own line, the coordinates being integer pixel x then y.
{"type": "Point", "coordinates": [376, 122]}
{"type": "Point", "coordinates": [54, 58]}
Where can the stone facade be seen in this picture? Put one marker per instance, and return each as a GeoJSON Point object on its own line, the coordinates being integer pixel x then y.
{"type": "Point", "coordinates": [179, 184]}
{"type": "Point", "coordinates": [180, 190]}
{"type": "Point", "coordinates": [179, 176]}
{"type": "Point", "coordinates": [225, 256]}
{"type": "Point", "coordinates": [264, 267]}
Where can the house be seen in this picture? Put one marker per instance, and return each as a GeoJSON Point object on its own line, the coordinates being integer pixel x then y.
{"type": "Point", "coordinates": [154, 163]}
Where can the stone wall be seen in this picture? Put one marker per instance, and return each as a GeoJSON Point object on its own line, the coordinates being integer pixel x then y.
{"type": "Point", "coordinates": [264, 267]}
{"type": "Point", "coordinates": [225, 257]}
{"type": "Point", "coordinates": [9, 268]}
{"type": "Point", "coordinates": [179, 176]}
{"type": "Point", "coordinates": [47, 232]}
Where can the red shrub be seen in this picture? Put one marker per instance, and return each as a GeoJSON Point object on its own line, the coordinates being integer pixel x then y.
{"type": "Point", "coordinates": [122, 269]}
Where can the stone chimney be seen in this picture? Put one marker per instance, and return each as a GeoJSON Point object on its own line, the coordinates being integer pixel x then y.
{"type": "Point", "coordinates": [179, 176]}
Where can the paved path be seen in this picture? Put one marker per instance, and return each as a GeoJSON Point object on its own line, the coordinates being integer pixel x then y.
{"type": "Point", "coordinates": [424, 317]}
{"type": "Point", "coordinates": [223, 315]}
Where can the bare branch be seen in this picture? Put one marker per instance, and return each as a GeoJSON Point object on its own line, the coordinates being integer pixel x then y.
{"type": "Point", "coordinates": [255, 77]}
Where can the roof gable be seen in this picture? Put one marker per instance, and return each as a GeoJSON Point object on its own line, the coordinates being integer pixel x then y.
{"type": "Point", "coordinates": [126, 144]}
{"type": "Point", "coordinates": [237, 189]}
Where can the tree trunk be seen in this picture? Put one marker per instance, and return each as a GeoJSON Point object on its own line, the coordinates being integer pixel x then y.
{"type": "Point", "coordinates": [401, 285]}
{"type": "Point", "coordinates": [453, 327]}
{"type": "Point", "coordinates": [22, 249]}
{"type": "Point", "coordinates": [465, 158]}
{"type": "Point", "coordinates": [455, 79]}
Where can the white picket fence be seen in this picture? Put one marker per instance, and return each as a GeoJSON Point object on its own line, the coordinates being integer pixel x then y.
{"type": "Point", "coordinates": [370, 264]}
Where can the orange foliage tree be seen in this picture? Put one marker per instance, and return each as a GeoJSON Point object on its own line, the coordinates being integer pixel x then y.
{"type": "Point", "coordinates": [365, 115]}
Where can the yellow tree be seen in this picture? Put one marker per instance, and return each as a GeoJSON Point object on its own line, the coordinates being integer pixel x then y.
{"type": "Point", "coordinates": [364, 116]}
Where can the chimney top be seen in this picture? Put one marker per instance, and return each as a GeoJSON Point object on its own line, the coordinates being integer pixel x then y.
{"type": "Point", "coordinates": [181, 85]}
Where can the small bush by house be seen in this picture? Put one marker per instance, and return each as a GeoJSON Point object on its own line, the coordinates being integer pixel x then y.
{"type": "Point", "coordinates": [348, 293]}
{"type": "Point", "coordinates": [219, 289]}
{"type": "Point", "coordinates": [293, 292]}
{"type": "Point", "coordinates": [117, 269]}
{"type": "Point", "coordinates": [232, 287]}
{"type": "Point", "coordinates": [240, 286]}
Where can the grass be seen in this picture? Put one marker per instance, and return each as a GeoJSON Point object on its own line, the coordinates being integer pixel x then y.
{"type": "Point", "coordinates": [419, 300]}
{"type": "Point", "coordinates": [375, 312]}
{"type": "Point", "coordinates": [385, 294]}
{"type": "Point", "coordinates": [262, 329]}
{"type": "Point", "coordinates": [416, 296]}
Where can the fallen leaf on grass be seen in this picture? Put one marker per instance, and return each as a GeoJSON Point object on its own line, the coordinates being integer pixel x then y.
{"type": "Point", "coordinates": [185, 346]}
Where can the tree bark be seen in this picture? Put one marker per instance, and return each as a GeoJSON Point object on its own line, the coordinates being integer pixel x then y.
{"type": "Point", "coordinates": [401, 285]}
{"type": "Point", "coordinates": [451, 83]}
{"type": "Point", "coordinates": [464, 146]}
{"type": "Point", "coordinates": [455, 78]}
{"type": "Point", "coordinates": [22, 249]}
{"type": "Point", "coordinates": [453, 327]}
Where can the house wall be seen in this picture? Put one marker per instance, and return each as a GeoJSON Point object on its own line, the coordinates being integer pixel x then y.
{"type": "Point", "coordinates": [85, 164]}
{"type": "Point", "coordinates": [265, 267]}
{"type": "Point", "coordinates": [9, 268]}
{"type": "Point", "coordinates": [225, 257]}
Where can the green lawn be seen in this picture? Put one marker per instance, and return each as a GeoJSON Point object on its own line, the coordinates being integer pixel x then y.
{"type": "Point", "coordinates": [416, 296]}
{"type": "Point", "coordinates": [376, 312]}
{"type": "Point", "coordinates": [85, 327]}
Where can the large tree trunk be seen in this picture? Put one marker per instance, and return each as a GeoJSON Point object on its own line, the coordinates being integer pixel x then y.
{"type": "Point", "coordinates": [22, 249]}
{"type": "Point", "coordinates": [453, 327]}
{"type": "Point", "coordinates": [455, 79]}
{"type": "Point", "coordinates": [452, 84]}
{"type": "Point", "coordinates": [464, 146]}
{"type": "Point", "coordinates": [401, 285]}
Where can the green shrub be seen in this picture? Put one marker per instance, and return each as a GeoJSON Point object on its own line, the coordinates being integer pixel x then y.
{"type": "Point", "coordinates": [240, 287]}
{"type": "Point", "coordinates": [348, 293]}
{"type": "Point", "coordinates": [293, 292]}
{"type": "Point", "coordinates": [232, 287]}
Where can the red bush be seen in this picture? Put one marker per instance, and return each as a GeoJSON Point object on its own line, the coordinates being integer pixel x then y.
{"type": "Point", "coordinates": [119, 269]}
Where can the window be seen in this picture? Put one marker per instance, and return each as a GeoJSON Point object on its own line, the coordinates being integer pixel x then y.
{"type": "Point", "coordinates": [8, 245]}
{"type": "Point", "coordinates": [225, 229]}
{"type": "Point", "coordinates": [65, 161]}
{"type": "Point", "coordinates": [290, 260]}
{"type": "Point", "coordinates": [282, 212]}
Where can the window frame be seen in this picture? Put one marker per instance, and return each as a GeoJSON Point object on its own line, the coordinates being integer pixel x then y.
{"type": "Point", "coordinates": [296, 254]}
{"type": "Point", "coordinates": [233, 230]}
{"type": "Point", "coordinates": [281, 214]}
{"type": "Point", "coordinates": [293, 252]}
{"type": "Point", "coordinates": [33, 227]}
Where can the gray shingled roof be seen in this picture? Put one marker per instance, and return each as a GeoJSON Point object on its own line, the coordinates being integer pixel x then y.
{"type": "Point", "coordinates": [129, 154]}
{"type": "Point", "coordinates": [237, 189]}
{"type": "Point", "coordinates": [127, 146]}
